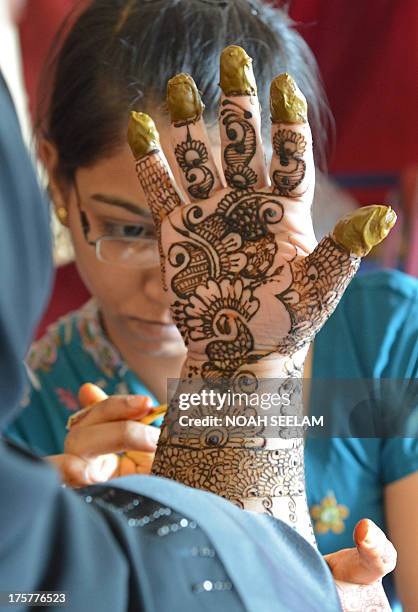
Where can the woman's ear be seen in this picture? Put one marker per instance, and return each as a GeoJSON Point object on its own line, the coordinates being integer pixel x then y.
{"type": "Point", "coordinates": [48, 155]}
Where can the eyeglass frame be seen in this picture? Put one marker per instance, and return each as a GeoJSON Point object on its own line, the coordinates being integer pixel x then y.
{"type": "Point", "coordinates": [86, 228]}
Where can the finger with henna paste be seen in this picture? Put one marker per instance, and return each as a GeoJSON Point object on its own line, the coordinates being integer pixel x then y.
{"type": "Point", "coordinates": [153, 171]}
{"type": "Point", "coordinates": [359, 231]}
{"type": "Point", "coordinates": [320, 279]}
{"type": "Point", "coordinates": [154, 175]}
{"type": "Point", "coordinates": [292, 167]}
{"type": "Point", "coordinates": [243, 157]}
{"type": "Point", "coordinates": [192, 150]}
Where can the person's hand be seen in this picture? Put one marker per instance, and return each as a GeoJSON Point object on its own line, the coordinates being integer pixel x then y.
{"type": "Point", "coordinates": [107, 426]}
{"type": "Point", "coordinates": [358, 572]}
{"type": "Point", "coordinates": [246, 280]}
{"type": "Point", "coordinates": [247, 284]}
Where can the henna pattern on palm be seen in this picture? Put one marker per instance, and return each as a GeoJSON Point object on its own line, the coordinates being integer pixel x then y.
{"type": "Point", "coordinates": [222, 262]}
{"type": "Point", "coordinates": [245, 293]}
{"type": "Point", "coordinates": [192, 156]}
{"type": "Point", "coordinates": [289, 147]}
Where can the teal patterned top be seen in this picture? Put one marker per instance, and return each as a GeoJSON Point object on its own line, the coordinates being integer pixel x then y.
{"type": "Point", "coordinates": [372, 334]}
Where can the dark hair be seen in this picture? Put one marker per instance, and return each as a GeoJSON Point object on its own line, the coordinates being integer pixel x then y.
{"type": "Point", "coordinates": [119, 54]}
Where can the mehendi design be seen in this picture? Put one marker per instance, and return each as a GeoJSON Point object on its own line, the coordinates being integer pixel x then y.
{"type": "Point", "coordinates": [156, 183]}
{"type": "Point", "coordinates": [289, 146]}
{"type": "Point", "coordinates": [160, 193]}
{"type": "Point", "coordinates": [235, 472]}
{"type": "Point", "coordinates": [363, 597]}
{"type": "Point", "coordinates": [192, 156]}
{"type": "Point", "coordinates": [245, 294]}
{"type": "Point", "coordinates": [318, 282]}
{"type": "Point", "coordinates": [242, 148]}
{"type": "Point", "coordinates": [235, 239]}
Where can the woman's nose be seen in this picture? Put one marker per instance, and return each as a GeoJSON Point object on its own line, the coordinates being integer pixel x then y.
{"type": "Point", "coordinates": [153, 286]}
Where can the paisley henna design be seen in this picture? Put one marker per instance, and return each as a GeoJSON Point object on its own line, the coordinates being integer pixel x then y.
{"type": "Point", "coordinates": [192, 156]}
{"type": "Point", "coordinates": [242, 148]}
{"type": "Point", "coordinates": [289, 147]}
{"type": "Point", "coordinates": [248, 292]}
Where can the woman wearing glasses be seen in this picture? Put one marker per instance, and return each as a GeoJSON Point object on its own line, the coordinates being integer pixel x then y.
{"type": "Point", "coordinates": [124, 339]}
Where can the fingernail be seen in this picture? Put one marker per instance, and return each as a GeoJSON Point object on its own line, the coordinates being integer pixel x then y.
{"type": "Point", "coordinates": [373, 536]}
{"type": "Point", "coordinates": [237, 76]}
{"type": "Point", "coordinates": [368, 538]}
{"type": "Point", "coordinates": [139, 401]}
{"type": "Point", "coordinates": [183, 99]}
{"type": "Point", "coordinates": [95, 474]}
{"type": "Point", "coordinates": [142, 135]}
{"type": "Point", "coordinates": [77, 417]}
{"type": "Point", "coordinates": [152, 433]}
{"type": "Point", "coordinates": [287, 102]}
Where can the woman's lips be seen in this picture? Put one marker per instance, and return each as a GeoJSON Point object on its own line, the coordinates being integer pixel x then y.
{"type": "Point", "coordinates": [155, 329]}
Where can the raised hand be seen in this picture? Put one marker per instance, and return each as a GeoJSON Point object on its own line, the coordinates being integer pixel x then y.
{"type": "Point", "coordinates": [249, 287]}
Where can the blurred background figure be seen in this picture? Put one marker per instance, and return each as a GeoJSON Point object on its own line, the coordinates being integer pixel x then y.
{"type": "Point", "coordinates": [374, 157]}
{"type": "Point", "coordinates": [11, 61]}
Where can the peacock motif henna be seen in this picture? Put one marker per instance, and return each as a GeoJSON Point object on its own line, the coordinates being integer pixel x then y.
{"type": "Point", "coordinates": [192, 156]}
{"type": "Point", "coordinates": [249, 287]}
{"type": "Point", "coordinates": [242, 145]}
{"type": "Point", "coordinates": [289, 147]}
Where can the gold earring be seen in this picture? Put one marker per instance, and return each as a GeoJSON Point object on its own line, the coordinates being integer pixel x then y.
{"type": "Point", "coordinates": [62, 214]}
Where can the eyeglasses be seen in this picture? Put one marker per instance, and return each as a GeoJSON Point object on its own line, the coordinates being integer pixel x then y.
{"type": "Point", "coordinates": [130, 252]}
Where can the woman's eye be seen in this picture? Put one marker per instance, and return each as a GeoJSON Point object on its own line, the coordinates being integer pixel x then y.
{"type": "Point", "coordinates": [133, 231]}
{"type": "Point", "coordinates": [128, 231]}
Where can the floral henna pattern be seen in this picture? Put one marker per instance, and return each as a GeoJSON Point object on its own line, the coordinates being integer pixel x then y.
{"type": "Point", "coordinates": [234, 472]}
{"type": "Point", "coordinates": [289, 147]}
{"type": "Point", "coordinates": [235, 239]}
{"type": "Point", "coordinates": [222, 261]}
{"type": "Point", "coordinates": [318, 282]}
{"type": "Point", "coordinates": [247, 301]}
{"type": "Point", "coordinates": [192, 156]}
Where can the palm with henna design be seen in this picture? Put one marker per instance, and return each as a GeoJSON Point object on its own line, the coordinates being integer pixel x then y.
{"type": "Point", "coordinates": [248, 285]}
